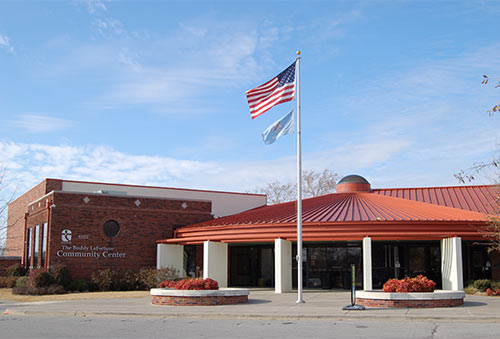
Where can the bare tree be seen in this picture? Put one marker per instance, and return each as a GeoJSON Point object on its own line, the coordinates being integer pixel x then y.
{"type": "Point", "coordinates": [495, 108]}
{"type": "Point", "coordinates": [492, 231]}
{"type": "Point", "coordinates": [469, 174]}
{"type": "Point", "coordinates": [5, 199]}
{"type": "Point", "coordinates": [314, 184]}
{"type": "Point", "coordinates": [277, 192]}
{"type": "Point", "coordinates": [3, 213]}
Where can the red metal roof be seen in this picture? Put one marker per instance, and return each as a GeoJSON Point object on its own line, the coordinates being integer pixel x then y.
{"type": "Point", "coordinates": [350, 207]}
{"type": "Point", "coordinates": [483, 199]}
{"type": "Point", "coordinates": [339, 216]}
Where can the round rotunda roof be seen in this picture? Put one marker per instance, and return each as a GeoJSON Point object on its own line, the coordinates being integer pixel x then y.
{"type": "Point", "coordinates": [353, 183]}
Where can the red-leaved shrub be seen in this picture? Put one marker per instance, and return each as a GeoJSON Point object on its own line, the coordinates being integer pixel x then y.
{"type": "Point", "coordinates": [406, 285]}
{"type": "Point", "coordinates": [490, 292]}
{"type": "Point", "coordinates": [191, 284]}
{"type": "Point", "coordinates": [168, 284]}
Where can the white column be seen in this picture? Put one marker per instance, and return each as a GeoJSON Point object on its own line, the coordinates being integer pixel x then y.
{"type": "Point", "coordinates": [451, 264]}
{"type": "Point", "coordinates": [170, 255]}
{"type": "Point", "coordinates": [367, 263]}
{"type": "Point", "coordinates": [215, 262]}
{"type": "Point", "coordinates": [282, 266]}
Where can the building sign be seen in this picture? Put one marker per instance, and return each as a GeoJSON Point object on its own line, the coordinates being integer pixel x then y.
{"type": "Point", "coordinates": [66, 236]}
{"type": "Point", "coordinates": [68, 250]}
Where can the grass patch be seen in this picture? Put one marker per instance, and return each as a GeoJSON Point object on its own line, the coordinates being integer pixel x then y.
{"type": "Point", "coordinates": [6, 293]}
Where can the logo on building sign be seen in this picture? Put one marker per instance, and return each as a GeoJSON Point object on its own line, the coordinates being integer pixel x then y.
{"type": "Point", "coordinates": [66, 235]}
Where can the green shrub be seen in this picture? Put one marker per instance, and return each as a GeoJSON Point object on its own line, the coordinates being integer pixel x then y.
{"type": "Point", "coordinates": [104, 279]}
{"type": "Point", "coordinates": [20, 290]}
{"type": "Point", "coordinates": [61, 275]}
{"type": "Point", "coordinates": [495, 285]}
{"type": "Point", "coordinates": [470, 289]}
{"type": "Point", "coordinates": [92, 286]}
{"type": "Point", "coordinates": [22, 282]}
{"type": "Point", "coordinates": [38, 282]}
{"type": "Point", "coordinates": [147, 278]}
{"type": "Point", "coordinates": [168, 273]}
{"type": "Point", "coordinates": [52, 289]}
{"type": "Point", "coordinates": [131, 280]}
{"type": "Point", "coordinates": [482, 284]}
{"type": "Point", "coordinates": [40, 277]}
{"type": "Point", "coordinates": [150, 277]}
{"type": "Point", "coordinates": [16, 270]}
{"type": "Point", "coordinates": [126, 281]}
{"type": "Point", "coordinates": [79, 285]}
{"type": "Point", "coordinates": [8, 282]}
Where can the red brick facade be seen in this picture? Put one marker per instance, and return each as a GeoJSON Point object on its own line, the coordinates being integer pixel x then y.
{"type": "Point", "coordinates": [17, 210]}
{"type": "Point", "coordinates": [409, 303]}
{"type": "Point", "coordinates": [87, 249]}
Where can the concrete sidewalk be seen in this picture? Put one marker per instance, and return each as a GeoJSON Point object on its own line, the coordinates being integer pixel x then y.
{"type": "Point", "coordinates": [262, 304]}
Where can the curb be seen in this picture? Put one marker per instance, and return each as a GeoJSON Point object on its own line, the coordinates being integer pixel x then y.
{"type": "Point", "coordinates": [345, 317]}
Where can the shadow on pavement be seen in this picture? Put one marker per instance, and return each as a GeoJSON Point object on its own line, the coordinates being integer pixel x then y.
{"type": "Point", "coordinates": [473, 304]}
{"type": "Point", "coordinates": [258, 301]}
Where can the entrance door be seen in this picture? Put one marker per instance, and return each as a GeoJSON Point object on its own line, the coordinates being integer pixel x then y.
{"type": "Point", "coordinates": [396, 260]}
{"type": "Point", "coordinates": [328, 265]}
{"type": "Point", "coordinates": [251, 266]}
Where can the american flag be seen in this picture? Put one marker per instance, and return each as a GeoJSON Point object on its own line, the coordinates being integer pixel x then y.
{"type": "Point", "coordinates": [279, 89]}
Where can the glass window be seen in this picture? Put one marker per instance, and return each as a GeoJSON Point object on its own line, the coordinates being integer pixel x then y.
{"type": "Point", "coordinates": [417, 260]}
{"type": "Point", "coordinates": [29, 247]}
{"type": "Point", "coordinates": [111, 228]}
{"type": "Point", "coordinates": [36, 240]}
{"type": "Point", "coordinates": [190, 260]}
{"type": "Point", "coordinates": [44, 243]}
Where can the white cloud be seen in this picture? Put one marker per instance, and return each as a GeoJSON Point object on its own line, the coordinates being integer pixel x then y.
{"type": "Point", "coordinates": [388, 162]}
{"type": "Point", "coordinates": [130, 59]}
{"type": "Point", "coordinates": [5, 43]}
{"type": "Point", "coordinates": [34, 123]}
{"type": "Point", "coordinates": [108, 25]}
{"type": "Point", "coordinates": [94, 6]}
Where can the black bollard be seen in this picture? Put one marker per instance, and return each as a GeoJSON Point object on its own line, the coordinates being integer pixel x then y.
{"type": "Point", "coordinates": [353, 306]}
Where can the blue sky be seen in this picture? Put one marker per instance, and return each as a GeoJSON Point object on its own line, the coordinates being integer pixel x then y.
{"type": "Point", "coordinates": [153, 92]}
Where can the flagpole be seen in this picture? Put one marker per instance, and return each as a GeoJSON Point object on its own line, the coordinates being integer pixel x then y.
{"type": "Point", "coordinates": [299, 188]}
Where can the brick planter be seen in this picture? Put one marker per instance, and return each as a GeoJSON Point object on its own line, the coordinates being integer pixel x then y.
{"type": "Point", "coordinates": [223, 296]}
{"type": "Point", "coordinates": [438, 298]}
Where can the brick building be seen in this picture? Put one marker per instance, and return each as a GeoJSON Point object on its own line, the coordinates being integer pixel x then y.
{"type": "Point", "coordinates": [240, 241]}
{"type": "Point", "coordinates": [91, 226]}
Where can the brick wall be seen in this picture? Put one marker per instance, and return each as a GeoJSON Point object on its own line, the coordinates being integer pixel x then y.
{"type": "Point", "coordinates": [142, 222]}
{"type": "Point", "coordinates": [16, 211]}
{"type": "Point", "coordinates": [415, 303]}
{"type": "Point", "coordinates": [198, 301]}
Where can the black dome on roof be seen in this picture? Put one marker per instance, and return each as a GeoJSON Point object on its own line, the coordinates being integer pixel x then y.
{"type": "Point", "coordinates": [353, 178]}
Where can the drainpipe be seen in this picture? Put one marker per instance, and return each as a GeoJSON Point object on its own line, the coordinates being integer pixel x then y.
{"type": "Point", "coordinates": [25, 247]}
{"type": "Point", "coordinates": [50, 206]}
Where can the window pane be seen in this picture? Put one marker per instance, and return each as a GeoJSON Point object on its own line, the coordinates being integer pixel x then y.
{"type": "Point", "coordinates": [36, 241]}
{"type": "Point", "coordinates": [44, 244]}
{"type": "Point", "coordinates": [30, 248]}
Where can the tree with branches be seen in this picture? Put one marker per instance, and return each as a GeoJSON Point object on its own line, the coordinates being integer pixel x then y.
{"type": "Point", "coordinates": [492, 231]}
{"type": "Point", "coordinates": [313, 184]}
{"type": "Point", "coordinates": [5, 199]}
